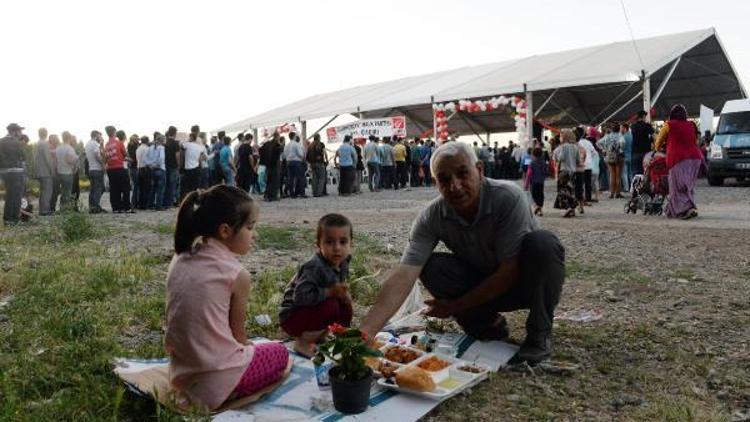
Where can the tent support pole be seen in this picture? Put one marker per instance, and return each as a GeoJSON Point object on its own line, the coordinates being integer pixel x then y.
{"type": "Point", "coordinates": [621, 107]}
{"type": "Point", "coordinates": [664, 82]}
{"type": "Point", "coordinates": [488, 138]}
{"type": "Point", "coordinates": [303, 123]}
{"type": "Point", "coordinates": [255, 136]}
{"type": "Point", "coordinates": [434, 122]}
{"type": "Point", "coordinates": [529, 116]}
{"type": "Point", "coordinates": [613, 101]}
{"type": "Point", "coordinates": [411, 117]}
{"type": "Point", "coordinates": [321, 128]}
{"type": "Point", "coordinates": [536, 113]}
{"type": "Point", "coordinates": [646, 95]}
{"type": "Point", "coordinates": [471, 126]}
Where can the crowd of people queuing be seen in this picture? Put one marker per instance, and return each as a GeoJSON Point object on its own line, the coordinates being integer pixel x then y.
{"type": "Point", "coordinates": [156, 173]}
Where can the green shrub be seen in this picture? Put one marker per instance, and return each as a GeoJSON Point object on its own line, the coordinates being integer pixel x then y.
{"type": "Point", "coordinates": [75, 226]}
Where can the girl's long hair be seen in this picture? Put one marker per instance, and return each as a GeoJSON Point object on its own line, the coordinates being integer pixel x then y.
{"type": "Point", "coordinates": [202, 212]}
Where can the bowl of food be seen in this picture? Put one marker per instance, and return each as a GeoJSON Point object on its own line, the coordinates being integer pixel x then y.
{"type": "Point", "coordinates": [401, 354]}
{"type": "Point", "coordinates": [435, 365]}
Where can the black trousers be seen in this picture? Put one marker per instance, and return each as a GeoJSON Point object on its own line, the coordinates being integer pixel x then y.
{"type": "Point", "coordinates": [190, 181]}
{"type": "Point", "coordinates": [578, 181]}
{"type": "Point", "coordinates": [402, 174]}
{"type": "Point", "coordinates": [144, 187]}
{"type": "Point", "coordinates": [119, 189]}
{"type": "Point", "coordinates": [537, 194]}
{"type": "Point", "coordinates": [244, 179]}
{"type": "Point", "coordinates": [273, 181]}
{"type": "Point", "coordinates": [415, 179]}
{"type": "Point", "coordinates": [542, 263]}
{"type": "Point", "coordinates": [387, 179]}
{"type": "Point", "coordinates": [346, 184]}
{"type": "Point", "coordinates": [587, 185]}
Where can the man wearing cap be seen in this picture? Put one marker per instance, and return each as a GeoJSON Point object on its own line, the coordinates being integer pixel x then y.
{"type": "Point", "coordinates": [13, 173]}
{"type": "Point", "coordinates": [499, 260]}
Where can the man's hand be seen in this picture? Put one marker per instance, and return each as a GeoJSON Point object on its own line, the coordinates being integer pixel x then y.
{"type": "Point", "coordinates": [440, 308]}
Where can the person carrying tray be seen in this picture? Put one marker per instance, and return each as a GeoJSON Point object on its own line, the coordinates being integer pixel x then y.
{"type": "Point", "coordinates": [500, 260]}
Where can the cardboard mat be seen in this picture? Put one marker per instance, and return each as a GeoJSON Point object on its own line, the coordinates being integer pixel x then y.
{"type": "Point", "coordinates": [151, 378]}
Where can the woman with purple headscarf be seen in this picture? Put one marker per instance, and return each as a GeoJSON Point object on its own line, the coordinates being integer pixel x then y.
{"type": "Point", "coordinates": [684, 161]}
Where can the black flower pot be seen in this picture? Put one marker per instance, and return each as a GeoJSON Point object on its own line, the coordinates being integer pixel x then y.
{"type": "Point", "coordinates": [350, 396]}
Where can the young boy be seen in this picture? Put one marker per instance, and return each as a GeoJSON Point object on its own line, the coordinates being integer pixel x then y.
{"type": "Point", "coordinates": [535, 177]}
{"type": "Point", "coordinates": [318, 295]}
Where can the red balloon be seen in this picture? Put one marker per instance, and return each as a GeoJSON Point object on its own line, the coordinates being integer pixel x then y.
{"type": "Point", "coordinates": [489, 107]}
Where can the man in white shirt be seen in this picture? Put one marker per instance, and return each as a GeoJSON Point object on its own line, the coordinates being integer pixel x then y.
{"type": "Point", "coordinates": [194, 153]}
{"type": "Point", "coordinates": [95, 159]}
{"type": "Point", "coordinates": [67, 164]}
{"type": "Point", "coordinates": [144, 173]}
{"type": "Point", "coordinates": [157, 159]}
{"type": "Point", "coordinates": [294, 154]}
{"type": "Point", "coordinates": [592, 158]}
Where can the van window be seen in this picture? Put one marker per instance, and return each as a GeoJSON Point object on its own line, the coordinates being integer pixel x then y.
{"type": "Point", "coordinates": [734, 123]}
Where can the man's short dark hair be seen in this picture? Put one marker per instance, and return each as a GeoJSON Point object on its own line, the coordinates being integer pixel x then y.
{"type": "Point", "coordinates": [172, 131]}
{"type": "Point", "coordinates": [94, 133]}
{"type": "Point", "coordinates": [195, 129]}
{"type": "Point", "coordinates": [642, 114]}
{"type": "Point", "coordinates": [333, 220]}
{"type": "Point", "coordinates": [110, 131]}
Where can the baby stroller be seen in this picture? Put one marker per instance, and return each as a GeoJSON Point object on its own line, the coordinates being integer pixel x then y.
{"type": "Point", "coordinates": [649, 190]}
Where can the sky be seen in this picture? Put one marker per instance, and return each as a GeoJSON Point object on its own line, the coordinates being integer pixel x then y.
{"type": "Point", "coordinates": [144, 65]}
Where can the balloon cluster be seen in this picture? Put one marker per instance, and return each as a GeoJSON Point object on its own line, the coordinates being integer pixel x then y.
{"type": "Point", "coordinates": [441, 123]}
{"type": "Point", "coordinates": [518, 105]}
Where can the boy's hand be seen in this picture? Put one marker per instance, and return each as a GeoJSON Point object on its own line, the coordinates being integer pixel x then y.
{"type": "Point", "coordinates": [338, 290]}
{"type": "Point", "coordinates": [346, 299]}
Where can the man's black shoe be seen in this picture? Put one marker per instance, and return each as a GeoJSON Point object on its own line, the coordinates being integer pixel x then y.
{"type": "Point", "coordinates": [535, 349]}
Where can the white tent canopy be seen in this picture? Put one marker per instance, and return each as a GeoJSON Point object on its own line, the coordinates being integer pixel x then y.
{"type": "Point", "coordinates": [582, 86]}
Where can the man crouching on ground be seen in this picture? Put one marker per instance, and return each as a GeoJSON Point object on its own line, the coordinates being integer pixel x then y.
{"type": "Point", "coordinates": [500, 260]}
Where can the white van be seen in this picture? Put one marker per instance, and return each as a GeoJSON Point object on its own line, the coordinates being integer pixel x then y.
{"type": "Point", "coordinates": [729, 155]}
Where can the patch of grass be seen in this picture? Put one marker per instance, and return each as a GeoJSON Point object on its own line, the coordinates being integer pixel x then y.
{"type": "Point", "coordinates": [284, 238]}
{"type": "Point", "coordinates": [164, 228]}
{"type": "Point", "coordinates": [65, 322]}
{"type": "Point", "coordinates": [604, 274]}
{"type": "Point", "coordinates": [75, 226]}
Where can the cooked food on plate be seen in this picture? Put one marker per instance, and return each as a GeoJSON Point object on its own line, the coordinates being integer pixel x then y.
{"type": "Point", "coordinates": [401, 354]}
{"type": "Point", "coordinates": [433, 364]}
{"type": "Point", "coordinates": [471, 369]}
{"type": "Point", "coordinates": [415, 379]}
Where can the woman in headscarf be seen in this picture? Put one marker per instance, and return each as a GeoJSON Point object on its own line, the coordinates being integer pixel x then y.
{"type": "Point", "coordinates": [684, 161]}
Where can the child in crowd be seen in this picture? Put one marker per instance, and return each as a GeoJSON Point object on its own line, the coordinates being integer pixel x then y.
{"type": "Point", "coordinates": [535, 177]}
{"type": "Point", "coordinates": [318, 295]}
{"type": "Point", "coordinates": [207, 288]}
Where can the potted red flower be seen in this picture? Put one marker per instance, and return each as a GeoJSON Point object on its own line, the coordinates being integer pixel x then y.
{"type": "Point", "coordinates": [350, 377]}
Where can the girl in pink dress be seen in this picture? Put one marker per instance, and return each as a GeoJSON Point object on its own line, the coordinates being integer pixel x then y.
{"type": "Point", "coordinates": [207, 288]}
